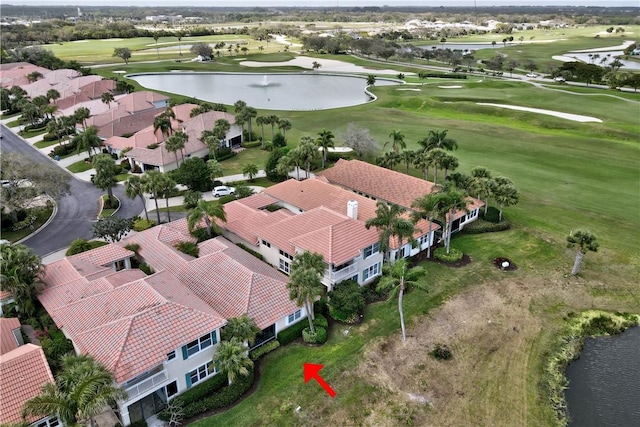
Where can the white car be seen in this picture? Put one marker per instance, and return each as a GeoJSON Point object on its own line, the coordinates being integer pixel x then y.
{"type": "Point", "coordinates": [559, 79]}
{"type": "Point", "coordinates": [223, 190]}
{"type": "Point", "coordinates": [534, 75]}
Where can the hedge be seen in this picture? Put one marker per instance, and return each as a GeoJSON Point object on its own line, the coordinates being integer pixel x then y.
{"type": "Point", "coordinates": [320, 321]}
{"type": "Point", "coordinates": [264, 349]}
{"type": "Point", "coordinates": [251, 144]}
{"type": "Point", "coordinates": [210, 400]}
{"type": "Point", "coordinates": [479, 227]}
{"type": "Point", "coordinates": [143, 224]}
{"type": "Point", "coordinates": [251, 251]}
{"type": "Point", "coordinates": [226, 199]}
{"type": "Point", "coordinates": [454, 255]}
{"type": "Point", "coordinates": [346, 301]}
{"type": "Point", "coordinates": [492, 215]}
{"type": "Point", "coordinates": [292, 333]}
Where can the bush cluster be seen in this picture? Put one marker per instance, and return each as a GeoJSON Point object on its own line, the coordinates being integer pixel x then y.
{"type": "Point", "coordinates": [251, 251]}
{"type": "Point", "coordinates": [251, 144]}
{"type": "Point", "coordinates": [346, 301]}
{"type": "Point", "coordinates": [63, 150]}
{"type": "Point", "coordinates": [224, 153]}
{"type": "Point", "coordinates": [320, 321]}
{"type": "Point", "coordinates": [143, 224]}
{"type": "Point", "coordinates": [441, 352]}
{"type": "Point", "coordinates": [454, 255]}
{"type": "Point", "coordinates": [146, 268]}
{"type": "Point", "coordinates": [226, 199]}
{"type": "Point", "coordinates": [317, 337]}
{"type": "Point", "coordinates": [213, 396]}
{"type": "Point", "coordinates": [188, 248]}
{"type": "Point", "coordinates": [50, 137]}
{"type": "Point", "coordinates": [201, 234]}
{"type": "Point", "coordinates": [335, 156]}
{"type": "Point", "coordinates": [371, 292]}
{"type": "Point", "coordinates": [292, 333]}
{"type": "Point", "coordinates": [479, 227]}
{"type": "Point", "coordinates": [264, 349]}
{"type": "Point", "coordinates": [492, 215]}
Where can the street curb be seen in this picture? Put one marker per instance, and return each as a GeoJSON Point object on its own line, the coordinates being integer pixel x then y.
{"type": "Point", "coordinates": [43, 226]}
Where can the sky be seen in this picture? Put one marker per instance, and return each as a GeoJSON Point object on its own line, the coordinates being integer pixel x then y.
{"type": "Point", "coordinates": [331, 3]}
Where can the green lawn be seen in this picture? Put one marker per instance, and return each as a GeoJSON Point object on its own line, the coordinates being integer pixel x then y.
{"type": "Point", "coordinates": [79, 166]}
{"type": "Point", "coordinates": [570, 175]}
{"type": "Point", "coordinates": [44, 144]}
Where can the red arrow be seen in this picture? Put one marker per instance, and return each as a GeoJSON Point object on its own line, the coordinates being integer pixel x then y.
{"type": "Point", "coordinates": [312, 371]}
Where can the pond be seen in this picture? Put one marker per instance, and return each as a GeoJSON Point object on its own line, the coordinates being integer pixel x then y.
{"type": "Point", "coordinates": [290, 91]}
{"type": "Point", "coordinates": [602, 58]}
{"type": "Point", "coordinates": [604, 384]}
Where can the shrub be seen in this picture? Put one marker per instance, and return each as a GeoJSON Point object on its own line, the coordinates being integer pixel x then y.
{"type": "Point", "coordinates": [335, 156]}
{"type": "Point", "coordinates": [78, 246]}
{"type": "Point", "coordinates": [143, 224]}
{"type": "Point", "coordinates": [346, 301]}
{"type": "Point", "coordinates": [273, 208]}
{"type": "Point", "coordinates": [279, 140]}
{"type": "Point", "coordinates": [146, 268]}
{"type": "Point", "coordinates": [251, 251]}
{"type": "Point", "coordinates": [191, 198]}
{"type": "Point", "coordinates": [481, 226]}
{"type": "Point", "coordinates": [50, 137]}
{"type": "Point", "coordinates": [251, 144]}
{"type": "Point", "coordinates": [320, 306]}
{"type": "Point", "coordinates": [492, 215]}
{"type": "Point", "coordinates": [133, 247]}
{"type": "Point", "coordinates": [454, 255]}
{"type": "Point", "coordinates": [371, 292]}
{"type": "Point", "coordinates": [62, 150]}
{"type": "Point", "coordinates": [320, 321]}
{"type": "Point", "coordinates": [226, 199]}
{"type": "Point", "coordinates": [152, 146]}
{"type": "Point", "coordinates": [292, 333]}
{"type": "Point", "coordinates": [264, 349]}
{"type": "Point", "coordinates": [201, 234]}
{"type": "Point", "coordinates": [319, 337]}
{"type": "Point", "coordinates": [441, 352]}
{"type": "Point", "coordinates": [188, 248]}
{"type": "Point", "coordinates": [224, 153]}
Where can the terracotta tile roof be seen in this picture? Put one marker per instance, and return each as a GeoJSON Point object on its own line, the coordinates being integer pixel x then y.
{"type": "Point", "coordinates": [4, 295]}
{"type": "Point", "coordinates": [161, 156]}
{"type": "Point", "coordinates": [14, 73]}
{"type": "Point", "coordinates": [140, 101]}
{"type": "Point", "coordinates": [70, 101]}
{"type": "Point", "coordinates": [205, 121]}
{"type": "Point", "coordinates": [385, 184]}
{"type": "Point", "coordinates": [23, 372]}
{"type": "Point", "coordinates": [472, 204]}
{"type": "Point", "coordinates": [37, 88]}
{"type": "Point", "coordinates": [7, 339]}
{"type": "Point", "coordinates": [312, 193]}
{"type": "Point", "coordinates": [246, 222]}
{"type": "Point", "coordinates": [258, 201]}
{"type": "Point", "coordinates": [104, 255]}
{"type": "Point", "coordinates": [75, 85]}
{"type": "Point", "coordinates": [95, 106]}
{"type": "Point", "coordinates": [107, 117]}
{"type": "Point", "coordinates": [124, 123]}
{"type": "Point", "coordinates": [60, 76]}
{"type": "Point", "coordinates": [183, 111]}
{"type": "Point", "coordinates": [94, 90]}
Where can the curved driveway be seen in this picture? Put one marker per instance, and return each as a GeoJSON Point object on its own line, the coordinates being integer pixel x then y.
{"type": "Point", "coordinates": [76, 212]}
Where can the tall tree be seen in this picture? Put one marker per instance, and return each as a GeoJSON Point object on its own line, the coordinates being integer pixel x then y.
{"type": "Point", "coordinates": [307, 152]}
{"type": "Point", "coordinates": [166, 187]}
{"type": "Point", "coordinates": [156, 36]}
{"type": "Point", "coordinates": [232, 359]}
{"type": "Point", "coordinates": [105, 176]}
{"type": "Point", "coordinates": [250, 113]}
{"type": "Point", "coordinates": [325, 140]}
{"type": "Point", "coordinates": [504, 193]}
{"type": "Point", "coordinates": [243, 328]}
{"type": "Point", "coordinates": [447, 203]}
{"type": "Point", "coordinates": [53, 95]}
{"type": "Point", "coordinates": [481, 184]}
{"type": "Point", "coordinates": [250, 170]}
{"type": "Point", "coordinates": [81, 115]}
{"type": "Point", "coordinates": [425, 207]}
{"type": "Point", "coordinates": [261, 121]}
{"type": "Point", "coordinates": [82, 389]}
{"type": "Point", "coordinates": [162, 123]}
{"type": "Point", "coordinates": [133, 189]}
{"type": "Point", "coordinates": [391, 222]}
{"type": "Point", "coordinates": [205, 211]}
{"type": "Point", "coordinates": [305, 281]}
{"type": "Point", "coordinates": [438, 139]}
{"type": "Point", "coordinates": [396, 140]}
{"type": "Point", "coordinates": [284, 125]}
{"type": "Point", "coordinates": [107, 98]}
{"type": "Point", "coordinates": [407, 157]}
{"type": "Point", "coordinates": [87, 140]}
{"type": "Point", "coordinates": [584, 241]}
{"type": "Point", "coordinates": [360, 140]}
{"type": "Point", "coordinates": [398, 279]}
{"type": "Point", "coordinates": [215, 169]}
{"type": "Point", "coordinates": [448, 162]}
{"type": "Point", "coordinates": [123, 53]}
{"type": "Point", "coordinates": [151, 183]}
{"type": "Point", "coordinates": [21, 274]}
{"type": "Point", "coordinates": [176, 143]}
{"type": "Point", "coordinates": [273, 121]}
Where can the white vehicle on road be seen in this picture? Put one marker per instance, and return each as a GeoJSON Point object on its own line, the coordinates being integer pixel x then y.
{"type": "Point", "coordinates": [533, 75]}
{"type": "Point", "coordinates": [223, 190]}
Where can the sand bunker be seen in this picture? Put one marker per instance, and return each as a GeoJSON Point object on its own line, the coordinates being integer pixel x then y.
{"type": "Point", "coordinates": [111, 40]}
{"type": "Point", "coordinates": [568, 116]}
{"type": "Point", "coordinates": [337, 149]}
{"type": "Point", "coordinates": [414, 90]}
{"type": "Point", "coordinates": [81, 41]}
{"type": "Point", "coordinates": [119, 72]}
{"type": "Point", "coordinates": [450, 87]}
{"type": "Point", "coordinates": [326, 65]}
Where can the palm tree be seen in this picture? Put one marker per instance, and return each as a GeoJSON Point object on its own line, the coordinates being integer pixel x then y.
{"type": "Point", "coordinates": [241, 119]}
{"type": "Point", "coordinates": [434, 157]}
{"type": "Point", "coordinates": [504, 193]}
{"type": "Point", "coordinates": [105, 177]}
{"type": "Point", "coordinates": [305, 283]}
{"type": "Point", "coordinates": [284, 125]}
{"type": "Point", "coordinates": [212, 141]}
{"type": "Point", "coordinates": [221, 128]}
{"type": "Point", "coordinates": [407, 157]}
{"type": "Point", "coordinates": [215, 169]}
{"type": "Point", "coordinates": [325, 140]}
{"type": "Point", "coordinates": [156, 36]}
{"type": "Point", "coordinates": [438, 139]}
{"type": "Point", "coordinates": [179, 36]}
{"type": "Point", "coordinates": [448, 162]}
{"type": "Point", "coordinates": [81, 115]}
{"type": "Point", "coordinates": [107, 98]}
{"type": "Point", "coordinates": [315, 65]}
{"type": "Point", "coordinates": [422, 161]}
{"type": "Point", "coordinates": [162, 123]}
{"type": "Point", "coordinates": [21, 272]}
{"type": "Point", "coordinates": [481, 184]}
{"type": "Point", "coordinates": [250, 170]}
{"type": "Point", "coordinates": [52, 95]}
{"type": "Point", "coordinates": [133, 189]}
{"type": "Point", "coordinates": [425, 207]}
{"type": "Point", "coordinates": [307, 152]}
{"type": "Point", "coordinates": [397, 141]}
{"type": "Point", "coordinates": [175, 143]}
{"type": "Point", "coordinates": [81, 391]}
{"type": "Point", "coordinates": [585, 241]}
{"type": "Point", "coordinates": [389, 160]}
{"type": "Point", "coordinates": [447, 203]}
{"type": "Point", "coordinates": [243, 328]}
{"type": "Point", "coordinates": [239, 105]}
{"type": "Point", "coordinates": [205, 211]}
{"type": "Point", "coordinates": [250, 113]}
{"type": "Point", "coordinates": [261, 121]}
{"type": "Point", "coordinates": [151, 184]}
{"type": "Point", "coordinates": [34, 76]}
{"type": "Point", "coordinates": [166, 186]}
{"type": "Point", "coordinates": [273, 121]}
{"type": "Point", "coordinates": [231, 358]}
{"type": "Point", "coordinates": [390, 222]}
{"type": "Point", "coordinates": [88, 140]}
{"type": "Point", "coordinates": [398, 279]}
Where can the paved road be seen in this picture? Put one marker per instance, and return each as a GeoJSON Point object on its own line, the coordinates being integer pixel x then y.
{"type": "Point", "coordinates": [76, 212]}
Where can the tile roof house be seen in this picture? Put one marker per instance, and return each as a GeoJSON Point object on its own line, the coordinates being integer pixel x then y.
{"type": "Point", "coordinates": [321, 218]}
{"type": "Point", "coordinates": [136, 102]}
{"type": "Point", "coordinates": [160, 158]}
{"type": "Point", "coordinates": [391, 186]}
{"type": "Point", "coordinates": [23, 372]}
{"type": "Point", "coordinates": [157, 333]}
{"type": "Point", "coordinates": [14, 73]}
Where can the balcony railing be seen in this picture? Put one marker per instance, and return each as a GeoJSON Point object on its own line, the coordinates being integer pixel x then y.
{"type": "Point", "coordinates": [147, 384]}
{"type": "Point", "coordinates": [337, 275]}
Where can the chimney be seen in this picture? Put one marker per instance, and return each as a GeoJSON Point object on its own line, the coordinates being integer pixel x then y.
{"type": "Point", "coordinates": [352, 209]}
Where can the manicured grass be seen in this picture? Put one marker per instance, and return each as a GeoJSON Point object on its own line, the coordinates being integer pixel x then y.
{"type": "Point", "coordinates": [123, 177]}
{"type": "Point", "coordinates": [14, 123]}
{"type": "Point", "coordinates": [31, 133]}
{"type": "Point", "coordinates": [107, 212]}
{"type": "Point", "coordinates": [43, 215]}
{"type": "Point", "coordinates": [254, 155]}
{"type": "Point", "coordinates": [80, 166]}
{"type": "Point", "coordinates": [44, 144]}
{"type": "Point", "coordinates": [8, 116]}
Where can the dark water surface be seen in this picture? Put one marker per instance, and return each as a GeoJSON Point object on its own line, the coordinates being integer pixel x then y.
{"type": "Point", "coordinates": [604, 384]}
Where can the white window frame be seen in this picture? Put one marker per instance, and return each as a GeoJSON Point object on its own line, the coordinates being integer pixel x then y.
{"type": "Point", "coordinates": [286, 255]}
{"type": "Point", "coordinates": [265, 243]}
{"type": "Point", "coordinates": [371, 271]}
{"type": "Point", "coordinates": [372, 249]}
{"type": "Point", "coordinates": [48, 422]}
{"type": "Point", "coordinates": [171, 356]}
{"type": "Point", "coordinates": [202, 372]}
{"type": "Point", "coordinates": [199, 344]}
{"type": "Point", "coordinates": [293, 317]}
{"type": "Point", "coordinates": [284, 266]}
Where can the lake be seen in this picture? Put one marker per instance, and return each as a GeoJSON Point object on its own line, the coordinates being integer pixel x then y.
{"type": "Point", "coordinates": [275, 91]}
{"type": "Point", "coordinates": [604, 384]}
